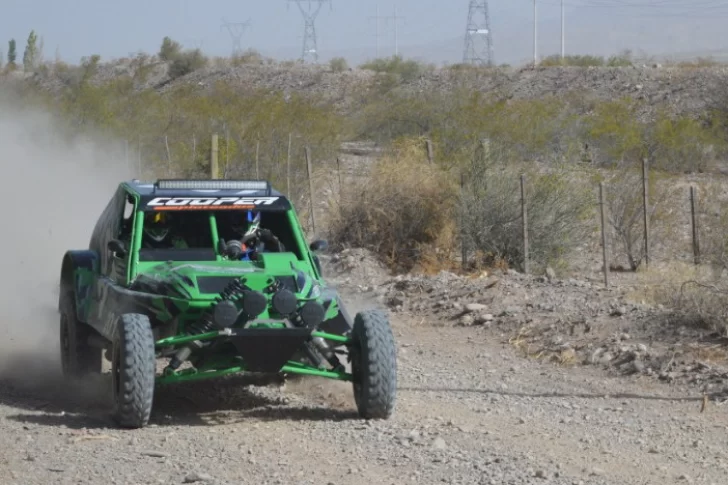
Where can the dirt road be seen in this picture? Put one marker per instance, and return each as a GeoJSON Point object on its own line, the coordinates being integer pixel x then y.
{"type": "Point", "coordinates": [470, 410]}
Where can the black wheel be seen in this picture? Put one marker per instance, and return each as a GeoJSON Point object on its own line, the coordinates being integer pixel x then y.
{"type": "Point", "coordinates": [374, 365]}
{"type": "Point", "coordinates": [133, 369]}
{"type": "Point", "coordinates": [78, 358]}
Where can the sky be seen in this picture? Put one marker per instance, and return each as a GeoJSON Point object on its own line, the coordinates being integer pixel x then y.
{"type": "Point", "coordinates": [430, 30]}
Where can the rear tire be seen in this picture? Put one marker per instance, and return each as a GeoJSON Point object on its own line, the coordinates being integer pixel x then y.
{"type": "Point", "coordinates": [133, 371]}
{"type": "Point", "coordinates": [374, 365]}
{"type": "Point", "coordinates": [78, 357]}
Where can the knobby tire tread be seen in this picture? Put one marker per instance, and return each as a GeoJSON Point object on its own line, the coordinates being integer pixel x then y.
{"type": "Point", "coordinates": [137, 371]}
{"type": "Point", "coordinates": [85, 359]}
{"type": "Point", "coordinates": [377, 361]}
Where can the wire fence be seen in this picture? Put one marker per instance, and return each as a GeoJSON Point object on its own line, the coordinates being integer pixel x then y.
{"type": "Point", "coordinates": [302, 175]}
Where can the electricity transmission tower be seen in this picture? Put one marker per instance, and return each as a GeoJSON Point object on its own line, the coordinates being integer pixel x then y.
{"type": "Point", "coordinates": [236, 30]}
{"type": "Point", "coordinates": [310, 47]}
{"type": "Point", "coordinates": [478, 36]}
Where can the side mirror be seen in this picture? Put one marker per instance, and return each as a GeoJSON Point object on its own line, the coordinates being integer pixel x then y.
{"type": "Point", "coordinates": [319, 245]}
{"type": "Point", "coordinates": [117, 247]}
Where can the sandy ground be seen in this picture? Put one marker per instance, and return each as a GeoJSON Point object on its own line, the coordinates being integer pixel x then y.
{"type": "Point", "coordinates": [470, 410]}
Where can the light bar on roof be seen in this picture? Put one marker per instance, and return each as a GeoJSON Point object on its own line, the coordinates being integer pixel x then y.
{"type": "Point", "coordinates": [213, 184]}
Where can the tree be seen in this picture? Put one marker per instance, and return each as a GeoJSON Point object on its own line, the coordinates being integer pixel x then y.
{"type": "Point", "coordinates": [170, 49]}
{"type": "Point", "coordinates": [31, 52]}
{"type": "Point", "coordinates": [12, 54]}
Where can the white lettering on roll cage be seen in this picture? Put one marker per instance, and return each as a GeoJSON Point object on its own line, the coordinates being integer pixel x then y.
{"type": "Point", "coordinates": [209, 201]}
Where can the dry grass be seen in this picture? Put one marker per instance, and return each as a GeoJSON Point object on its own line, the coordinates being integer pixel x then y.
{"type": "Point", "coordinates": [403, 211]}
{"type": "Point", "coordinates": [697, 295]}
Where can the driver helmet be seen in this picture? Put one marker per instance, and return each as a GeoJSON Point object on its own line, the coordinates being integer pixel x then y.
{"type": "Point", "coordinates": [253, 223]}
{"type": "Point", "coordinates": [156, 226]}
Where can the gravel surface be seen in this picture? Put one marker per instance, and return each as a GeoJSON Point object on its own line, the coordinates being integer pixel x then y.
{"type": "Point", "coordinates": [470, 409]}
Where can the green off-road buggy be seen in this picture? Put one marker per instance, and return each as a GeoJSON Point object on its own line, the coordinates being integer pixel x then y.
{"type": "Point", "coordinates": [214, 276]}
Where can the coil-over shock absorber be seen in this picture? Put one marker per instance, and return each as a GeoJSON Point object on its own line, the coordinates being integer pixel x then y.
{"type": "Point", "coordinates": [234, 301]}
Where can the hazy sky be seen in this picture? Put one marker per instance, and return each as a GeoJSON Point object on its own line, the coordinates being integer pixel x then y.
{"type": "Point", "coordinates": [429, 29]}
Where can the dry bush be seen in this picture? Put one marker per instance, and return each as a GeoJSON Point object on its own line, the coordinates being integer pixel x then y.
{"type": "Point", "coordinates": [625, 213]}
{"type": "Point", "coordinates": [560, 207]}
{"type": "Point", "coordinates": [697, 295]}
{"type": "Point", "coordinates": [403, 211]}
{"type": "Point", "coordinates": [692, 294]}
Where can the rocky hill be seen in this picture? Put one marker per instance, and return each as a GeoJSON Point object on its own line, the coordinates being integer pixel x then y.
{"type": "Point", "coordinates": [683, 89]}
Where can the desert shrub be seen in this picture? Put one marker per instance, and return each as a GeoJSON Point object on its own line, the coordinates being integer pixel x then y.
{"type": "Point", "coordinates": [696, 63]}
{"type": "Point", "coordinates": [623, 59]}
{"type": "Point", "coordinates": [338, 64]}
{"type": "Point", "coordinates": [560, 207]}
{"type": "Point", "coordinates": [682, 144]}
{"type": "Point", "coordinates": [697, 295]}
{"type": "Point", "coordinates": [187, 62]}
{"type": "Point", "coordinates": [625, 214]}
{"type": "Point", "coordinates": [169, 50]}
{"type": "Point", "coordinates": [406, 70]}
{"type": "Point", "coordinates": [249, 56]}
{"type": "Point", "coordinates": [456, 120]}
{"type": "Point", "coordinates": [691, 295]}
{"type": "Point", "coordinates": [615, 133]}
{"type": "Point", "coordinates": [574, 60]}
{"type": "Point", "coordinates": [403, 211]}
{"type": "Point", "coordinates": [672, 143]}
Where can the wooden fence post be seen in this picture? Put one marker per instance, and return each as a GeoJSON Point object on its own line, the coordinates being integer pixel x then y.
{"type": "Point", "coordinates": [694, 219]}
{"type": "Point", "coordinates": [257, 153]}
{"type": "Point", "coordinates": [126, 155]}
{"type": "Point", "coordinates": [645, 207]}
{"type": "Point", "coordinates": [604, 234]}
{"type": "Point", "coordinates": [463, 234]}
{"type": "Point", "coordinates": [338, 170]}
{"type": "Point", "coordinates": [214, 172]}
{"type": "Point", "coordinates": [430, 153]}
{"type": "Point", "coordinates": [169, 156]}
{"type": "Point", "coordinates": [310, 189]}
{"type": "Point", "coordinates": [524, 219]}
{"type": "Point", "coordinates": [194, 148]}
{"type": "Point", "coordinates": [288, 167]}
{"type": "Point", "coordinates": [227, 151]}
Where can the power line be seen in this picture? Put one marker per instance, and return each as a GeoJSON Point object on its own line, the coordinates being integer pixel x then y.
{"type": "Point", "coordinates": [236, 31]}
{"type": "Point", "coordinates": [376, 19]}
{"type": "Point", "coordinates": [535, 34]}
{"type": "Point", "coordinates": [310, 46]}
{"type": "Point", "coordinates": [478, 36]}
{"type": "Point", "coordinates": [394, 18]}
{"type": "Point", "coordinates": [655, 9]}
{"type": "Point", "coordinates": [563, 27]}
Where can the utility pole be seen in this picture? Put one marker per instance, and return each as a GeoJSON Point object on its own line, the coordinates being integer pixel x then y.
{"type": "Point", "coordinates": [376, 19]}
{"type": "Point", "coordinates": [236, 30]}
{"type": "Point", "coordinates": [393, 18]}
{"type": "Point", "coordinates": [535, 34]}
{"type": "Point", "coordinates": [310, 47]}
{"type": "Point", "coordinates": [563, 43]}
{"type": "Point", "coordinates": [478, 37]}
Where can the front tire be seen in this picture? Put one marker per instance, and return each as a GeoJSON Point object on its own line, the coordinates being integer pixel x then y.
{"type": "Point", "coordinates": [374, 365]}
{"type": "Point", "coordinates": [133, 369]}
{"type": "Point", "coordinates": [78, 357]}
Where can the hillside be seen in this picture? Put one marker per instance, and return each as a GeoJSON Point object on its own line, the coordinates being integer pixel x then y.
{"type": "Point", "coordinates": [685, 90]}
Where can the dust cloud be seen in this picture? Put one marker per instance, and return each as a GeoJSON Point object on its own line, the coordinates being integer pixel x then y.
{"type": "Point", "coordinates": [53, 190]}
